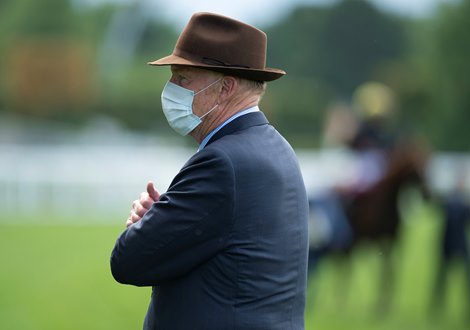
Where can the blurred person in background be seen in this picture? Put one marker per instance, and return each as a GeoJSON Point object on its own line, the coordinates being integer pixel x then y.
{"type": "Point", "coordinates": [453, 244]}
{"type": "Point", "coordinates": [372, 141]}
{"type": "Point", "coordinates": [364, 206]}
{"type": "Point", "coordinates": [361, 130]}
{"type": "Point", "coordinates": [226, 246]}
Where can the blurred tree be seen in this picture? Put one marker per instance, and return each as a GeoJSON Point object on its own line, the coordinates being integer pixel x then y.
{"type": "Point", "coordinates": [130, 89]}
{"type": "Point", "coordinates": [46, 23]}
{"type": "Point", "coordinates": [50, 64]}
{"type": "Point", "coordinates": [328, 52]}
{"type": "Point", "coordinates": [451, 76]}
{"type": "Point", "coordinates": [47, 71]}
{"type": "Point", "coordinates": [433, 84]}
{"type": "Point", "coordinates": [340, 45]}
{"type": "Point", "coordinates": [357, 39]}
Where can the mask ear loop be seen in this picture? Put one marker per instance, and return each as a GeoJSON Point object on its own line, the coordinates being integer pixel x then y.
{"type": "Point", "coordinates": [215, 106]}
{"type": "Point", "coordinates": [202, 90]}
{"type": "Point", "coordinates": [208, 112]}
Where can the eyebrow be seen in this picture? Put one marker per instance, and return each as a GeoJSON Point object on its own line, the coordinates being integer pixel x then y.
{"type": "Point", "coordinates": [179, 69]}
{"type": "Point", "coordinates": [175, 69]}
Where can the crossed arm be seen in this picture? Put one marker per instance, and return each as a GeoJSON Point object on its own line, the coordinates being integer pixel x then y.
{"type": "Point", "coordinates": [171, 234]}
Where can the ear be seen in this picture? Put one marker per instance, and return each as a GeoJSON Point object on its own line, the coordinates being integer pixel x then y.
{"type": "Point", "coordinates": [229, 87]}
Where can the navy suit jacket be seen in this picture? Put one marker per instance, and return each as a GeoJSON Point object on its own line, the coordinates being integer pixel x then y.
{"type": "Point", "coordinates": [226, 246]}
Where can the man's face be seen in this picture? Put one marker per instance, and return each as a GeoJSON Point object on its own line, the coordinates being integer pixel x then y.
{"type": "Point", "coordinates": [196, 80]}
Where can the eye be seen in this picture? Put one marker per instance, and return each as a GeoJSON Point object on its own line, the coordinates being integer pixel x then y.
{"type": "Point", "coordinates": [182, 79]}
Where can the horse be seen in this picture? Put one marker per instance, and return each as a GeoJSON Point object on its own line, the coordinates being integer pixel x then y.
{"type": "Point", "coordinates": [373, 215]}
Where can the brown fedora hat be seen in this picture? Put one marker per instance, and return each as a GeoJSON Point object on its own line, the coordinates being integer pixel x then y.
{"type": "Point", "coordinates": [218, 43]}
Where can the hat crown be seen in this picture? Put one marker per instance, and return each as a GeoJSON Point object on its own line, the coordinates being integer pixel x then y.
{"type": "Point", "coordinates": [219, 40]}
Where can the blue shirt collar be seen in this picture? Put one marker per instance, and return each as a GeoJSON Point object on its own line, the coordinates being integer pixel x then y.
{"type": "Point", "coordinates": [218, 128]}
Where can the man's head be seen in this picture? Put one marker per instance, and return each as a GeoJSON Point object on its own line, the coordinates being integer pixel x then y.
{"type": "Point", "coordinates": [218, 69]}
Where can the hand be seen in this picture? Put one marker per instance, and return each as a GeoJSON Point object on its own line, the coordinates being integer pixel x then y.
{"type": "Point", "coordinates": [142, 205]}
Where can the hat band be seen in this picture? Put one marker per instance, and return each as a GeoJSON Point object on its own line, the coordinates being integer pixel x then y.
{"type": "Point", "coordinates": [213, 61]}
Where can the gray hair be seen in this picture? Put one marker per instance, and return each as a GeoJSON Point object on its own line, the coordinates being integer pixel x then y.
{"type": "Point", "coordinates": [258, 87]}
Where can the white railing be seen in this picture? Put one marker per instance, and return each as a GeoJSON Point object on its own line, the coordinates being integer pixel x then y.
{"type": "Point", "coordinates": [98, 182]}
{"type": "Point", "coordinates": [79, 182]}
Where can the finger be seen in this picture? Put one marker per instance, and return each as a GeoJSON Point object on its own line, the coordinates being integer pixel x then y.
{"type": "Point", "coordinates": [140, 210]}
{"type": "Point", "coordinates": [134, 217]}
{"type": "Point", "coordinates": [137, 206]}
{"type": "Point", "coordinates": [146, 201]}
{"type": "Point", "coordinates": [137, 209]}
{"type": "Point", "coordinates": [153, 193]}
{"type": "Point", "coordinates": [135, 203]}
{"type": "Point", "coordinates": [133, 214]}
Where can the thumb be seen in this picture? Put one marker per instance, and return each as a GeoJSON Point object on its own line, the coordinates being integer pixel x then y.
{"type": "Point", "coordinates": [153, 193]}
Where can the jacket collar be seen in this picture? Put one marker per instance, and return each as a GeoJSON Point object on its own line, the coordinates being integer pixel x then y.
{"type": "Point", "coordinates": [251, 119]}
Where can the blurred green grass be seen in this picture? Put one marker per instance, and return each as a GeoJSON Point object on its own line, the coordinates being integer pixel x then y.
{"type": "Point", "coordinates": [57, 276]}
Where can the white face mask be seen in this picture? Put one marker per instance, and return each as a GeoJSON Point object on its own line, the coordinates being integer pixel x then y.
{"type": "Point", "coordinates": [177, 105]}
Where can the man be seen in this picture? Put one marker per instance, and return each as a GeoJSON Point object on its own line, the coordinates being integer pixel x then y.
{"type": "Point", "coordinates": [226, 246]}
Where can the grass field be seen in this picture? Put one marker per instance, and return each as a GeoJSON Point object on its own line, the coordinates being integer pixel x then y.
{"type": "Point", "coordinates": [56, 276]}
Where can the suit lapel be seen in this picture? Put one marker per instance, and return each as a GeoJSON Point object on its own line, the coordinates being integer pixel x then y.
{"type": "Point", "coordinates": [241, 123]}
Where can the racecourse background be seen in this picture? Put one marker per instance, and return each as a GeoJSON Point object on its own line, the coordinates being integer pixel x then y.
{"type": "Point", "coordinates": [74, 181]}
{"type": "Point", "coordinates": [65, 194]}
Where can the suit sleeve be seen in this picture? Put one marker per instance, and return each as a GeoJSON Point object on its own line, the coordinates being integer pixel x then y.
{"type": "Point", "coordinates": [185, 228]}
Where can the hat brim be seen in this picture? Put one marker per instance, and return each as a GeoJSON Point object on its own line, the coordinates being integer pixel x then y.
{"type": "Point", "coordinates": [267, 74]}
